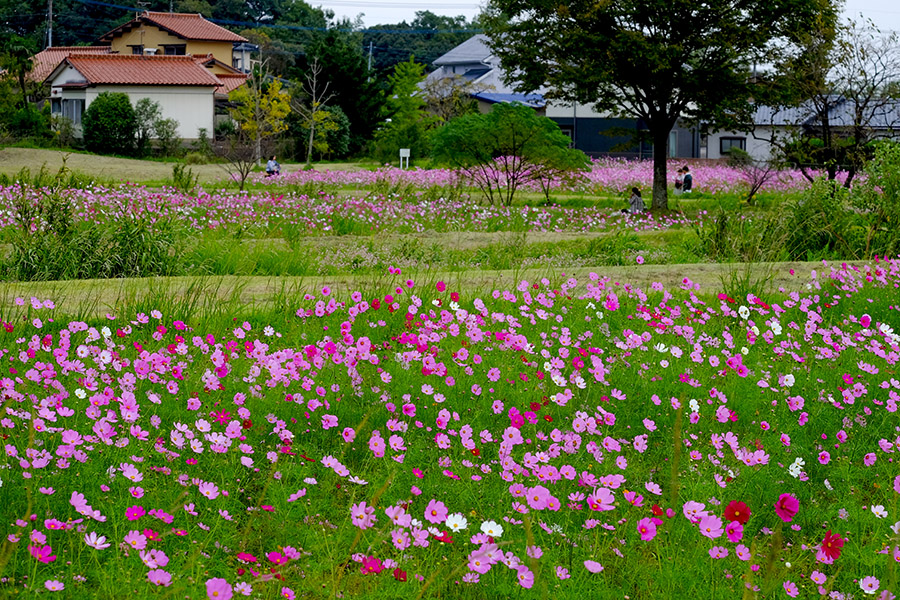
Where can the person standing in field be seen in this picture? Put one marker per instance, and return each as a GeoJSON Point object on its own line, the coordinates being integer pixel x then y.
{"type": "Point", "coordinates": [688, 182]}
{"type": "Point", "coordinates": [679, 181]}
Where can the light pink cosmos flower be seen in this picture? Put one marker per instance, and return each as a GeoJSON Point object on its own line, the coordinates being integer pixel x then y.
{"type": "Point", "coordinates": [218, 589]}
{"type": "Point", "coordinates": [208, 489]}
{"type": "Point", "coordinates": [711, 526]}
{"type": "Point", "coordinates": [593, 566]}
{"type": "Point", "coordinates": [363, 516]}
{"type": "Point", "coordinates": [136, 540]}
{"type": "Point", "coordinates": [159, 577]}
{"type": "Point", "coordinates": [435, 512]}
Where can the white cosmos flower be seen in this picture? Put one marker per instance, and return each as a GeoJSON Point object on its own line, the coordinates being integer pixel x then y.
{"type": "Point", "coordinates": [878, 511]}
{"type": "Point", "coordinates": [456, 522]}
{"type": "Point", "coordinates": [492, 528]}
{"type": "Point", "coordinates": [744, 312]}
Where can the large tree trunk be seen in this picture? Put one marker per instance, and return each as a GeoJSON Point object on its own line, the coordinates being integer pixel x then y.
{"type": "Point", "coordinates": [660, 183]}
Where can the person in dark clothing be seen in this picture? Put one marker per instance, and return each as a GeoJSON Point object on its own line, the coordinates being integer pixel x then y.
{"type": "Point", "coordinates": [688, 180]}
{"type": "Point", "coordinates": [635, 203]}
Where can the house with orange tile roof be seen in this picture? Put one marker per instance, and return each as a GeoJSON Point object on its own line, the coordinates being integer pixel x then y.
{"type": "Point", "coordinates": [182, 85]}
{"type": "Point", "coordinates": [174, 34]}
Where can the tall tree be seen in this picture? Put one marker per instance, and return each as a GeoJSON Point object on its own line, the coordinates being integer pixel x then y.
{"type": "Point", "coordinates": [345, 72]}
{"type": "Point", "coordinates": [260, 108]}
{"type": "Point", "coordinates": [654, 60]}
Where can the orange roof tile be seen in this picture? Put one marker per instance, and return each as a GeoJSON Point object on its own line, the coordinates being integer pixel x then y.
{"type": "Point", "coordinates": [45, 61]}
{"type": "Point", "coordinates": [183, 25]}
{"type": "Point", "coordinates": [230, 83]}
{"type": "Point", "coordinates": [127, 69]}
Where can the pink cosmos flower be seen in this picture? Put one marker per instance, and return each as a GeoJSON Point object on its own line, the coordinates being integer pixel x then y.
{"type": "Point", "coordinates": [371, 564]}
{"type": "Point", "coordinates": [786, 507]}
{"type": "Point", "coordinates": [160, 577]}
{"type": "Point", "coordinates": [43, 554]}
{"type": "Point", "coordinates": [525, 577]}
{"type": "Point", "coordinates": [647, 528]}
{"type": "Point", "coordinates": [134, 513]}
{"type": "Point", "coordinates": [209, 489]}
{"type": "Point", "coordinates": [363, 516]}
{"type": "Point", "coordinates": [869, 584]}
{"type": "Point", "coordinates": [288, 593]}
{"type": "Point", "coordinates": [136, 540]}
{"type": "Point", "coordinates": [718, 552]}
{"type": "Point", "coordinates": [601, 500]}
{"type": "Point", "coordinates": [790, 588]}
{"type": "Point", "coordinates": [54, 585]}
{"type": "Point", "coordinates": [734, 531]}
{"type": "Point", "coordinates": [711, 526]}
{"type": "Point", "coordinates": [218, 589]}
{"type": "Point", "coordinates": [435, 512]}
{"type": "Point", "coordinates": [593, 566]}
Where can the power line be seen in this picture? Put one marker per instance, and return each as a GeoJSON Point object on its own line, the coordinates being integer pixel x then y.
{"type": "Point", "coordinates": [252, 24]}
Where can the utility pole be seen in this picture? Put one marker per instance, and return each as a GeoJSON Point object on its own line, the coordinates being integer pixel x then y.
{"type": "Point", "coordinates": [50, 25]}
{"type": "Point", "coordinates": [370, 56]}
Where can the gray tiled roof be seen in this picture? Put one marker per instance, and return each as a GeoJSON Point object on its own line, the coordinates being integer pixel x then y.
{"type": "Point", "coordinates": [473, 50]}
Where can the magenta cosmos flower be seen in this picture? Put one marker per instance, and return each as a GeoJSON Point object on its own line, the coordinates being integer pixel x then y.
{"type": "Point", "coordinates": [786, 507]}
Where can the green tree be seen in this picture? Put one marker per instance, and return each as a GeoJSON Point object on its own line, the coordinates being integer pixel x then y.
{"type": "Point", "coordinates": [505, 149]}
{"type": "Point", "coordinates": [409, 123]}
{"type": "Point", "coordinates": [146, 113]}
{"type": "Point", "coordinates": [260, 108]}
{"type": "Point", "coordinates": [345, 72]}
{"type": "Point", "coordinates": [109, 124]}
{"type": "Point", "coordinates": [16, 58]}
{"type": "Point", "coordinates": [654, 60]}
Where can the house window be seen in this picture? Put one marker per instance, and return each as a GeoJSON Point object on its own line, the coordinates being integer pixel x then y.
{"type": "Point", "coordinates": [72, 110]}
{"type": "Point", "coordinates": [727, 143]}
{"type": "Point", "coordinates": [175, 49]}
{"type": "Point", "coordinates": [673, 144]}
{"type": "Point", "coordinates": [137, 49]}
{"type": "Point", "coordinates": [569, 133]}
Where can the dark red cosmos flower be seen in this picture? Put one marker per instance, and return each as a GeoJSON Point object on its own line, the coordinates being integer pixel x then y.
{"type": "Point", "coordinates": [657, 510]}
{"type": "Point", "coordinates": [832, 544]}
{"type": "Point", "coordinates": [399, 574]}
{"type": "Point", "coordinates": [737, 512]}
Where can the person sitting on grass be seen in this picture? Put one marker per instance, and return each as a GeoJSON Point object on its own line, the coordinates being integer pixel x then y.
{"type": "Point", "coordinates": [635, 203]}
{"type": "Point", "coordinates": [272, 167]}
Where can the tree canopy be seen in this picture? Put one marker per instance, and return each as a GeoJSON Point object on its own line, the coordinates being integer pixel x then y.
{"type": "Point", "coordinates": [654, 60]}
{"type": "Point", "coordinates": [505, 149]}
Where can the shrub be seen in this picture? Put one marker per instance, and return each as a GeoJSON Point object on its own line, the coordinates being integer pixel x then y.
{"type": "Point", "coordinates": [109, 124]}
{"type": "Point", "coordinates": [166, 131]}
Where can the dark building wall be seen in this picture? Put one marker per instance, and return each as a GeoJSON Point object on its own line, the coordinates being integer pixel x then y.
{"type": "Point", "coordinates": [612, 137]}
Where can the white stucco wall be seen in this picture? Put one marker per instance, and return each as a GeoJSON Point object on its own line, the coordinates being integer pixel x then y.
{"type": "Point", "coordinates": [759, 149]}
{"type": "Point", "coordinates": [192, 107]}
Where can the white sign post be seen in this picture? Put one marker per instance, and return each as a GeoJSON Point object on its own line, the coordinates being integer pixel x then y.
{"type": "Point", "coordinates": [404, 153]}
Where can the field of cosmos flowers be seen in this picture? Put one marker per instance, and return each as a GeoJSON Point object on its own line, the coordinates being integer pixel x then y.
{"type": "Point", "coordinates": [573, 438]}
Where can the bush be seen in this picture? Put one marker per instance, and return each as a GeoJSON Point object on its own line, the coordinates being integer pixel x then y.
{"type": "Point", "coordinates": [166, 131]}
{"type": "Point", "coordinates": [109, 124]}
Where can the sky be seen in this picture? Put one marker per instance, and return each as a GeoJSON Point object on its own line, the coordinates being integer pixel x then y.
{"type": "Point", "coordinates": [884, 13]}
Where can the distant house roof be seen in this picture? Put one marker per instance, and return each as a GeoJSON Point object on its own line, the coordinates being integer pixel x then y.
{"type": "Point", "coordinates": [473, 74]}
{"type": "Point", "coordinates": [183, 25]}
{"type": "Point", "coordinates": [882, 114]}
{"type": "Point", "coordinates": [473, 50]}
{"type": "Point", "coordinates": [532, 100]}
{"type": "Point", "coordinates": [44, 62]}
{"type": "Point", "coordinates": [127, 69]}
